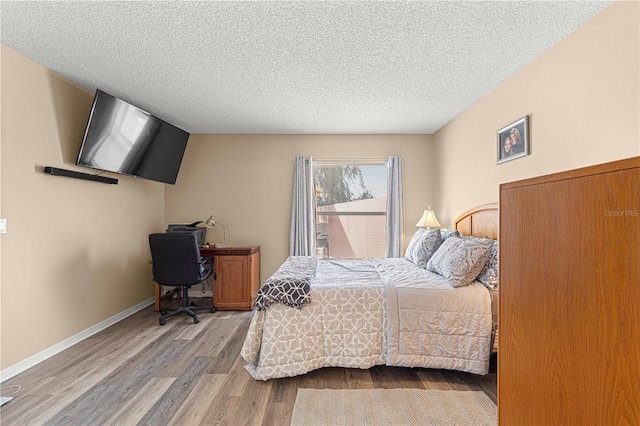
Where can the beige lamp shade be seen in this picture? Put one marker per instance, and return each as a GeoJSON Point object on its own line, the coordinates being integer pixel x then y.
{"type": "Point", "coordinates": [428, 220]}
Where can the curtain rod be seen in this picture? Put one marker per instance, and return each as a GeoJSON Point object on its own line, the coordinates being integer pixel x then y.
{"type": "Point", "coordinates": [349, 160]}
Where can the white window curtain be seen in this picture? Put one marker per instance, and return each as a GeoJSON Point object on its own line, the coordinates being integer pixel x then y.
{"type": "Point", "coordinates": [302, 238]}
{"type": "Point", "coordinates": [395, 207]}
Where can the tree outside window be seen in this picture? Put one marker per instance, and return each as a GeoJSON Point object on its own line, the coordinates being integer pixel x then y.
{"type": "Point", "coordinates": [351, 201]}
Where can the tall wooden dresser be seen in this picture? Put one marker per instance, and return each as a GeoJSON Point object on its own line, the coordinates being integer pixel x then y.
{"type": "Point", "coordinates": [237, 272]}
{"type": "Point", "coordinates": [569, 348]}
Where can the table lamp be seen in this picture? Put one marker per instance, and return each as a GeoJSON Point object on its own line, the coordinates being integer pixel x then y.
{"type": "Point", "coordinates": [210, 223]}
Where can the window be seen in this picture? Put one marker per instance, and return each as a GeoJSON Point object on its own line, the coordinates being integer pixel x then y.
{"type": "Point", "coordinates": [351, 203]}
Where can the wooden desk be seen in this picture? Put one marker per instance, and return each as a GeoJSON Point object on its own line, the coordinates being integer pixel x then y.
{"type": "Point", "coordinates": [237, 277]}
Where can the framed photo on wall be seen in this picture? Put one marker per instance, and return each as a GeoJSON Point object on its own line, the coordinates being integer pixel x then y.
{"type": "Point", "coordinates": [513, 140]}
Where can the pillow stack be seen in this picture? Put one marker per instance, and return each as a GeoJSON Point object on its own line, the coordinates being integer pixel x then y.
{"type": "Point", "coordinates": [460, 259]}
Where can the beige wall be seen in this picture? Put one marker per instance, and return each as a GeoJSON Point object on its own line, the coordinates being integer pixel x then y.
{"type": "Point", "coordinates": [582, 97]}
{"type": "Point", "coordinates": [76, 252]}
{"type": "Point", "coordinates": [246, 181]}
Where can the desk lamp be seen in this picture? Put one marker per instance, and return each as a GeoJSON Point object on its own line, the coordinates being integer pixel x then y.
{"type": "Point", "coordinates": [428, 220]}
{"type": "Point", "coordinates": [210, 223]}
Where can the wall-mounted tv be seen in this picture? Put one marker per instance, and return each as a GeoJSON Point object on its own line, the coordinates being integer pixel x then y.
{"type": "Point", "coordinates": [122, 138]}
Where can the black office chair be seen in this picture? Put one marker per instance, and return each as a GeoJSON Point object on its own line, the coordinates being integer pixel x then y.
{"type": "Point", "coordinates": [177, 262]}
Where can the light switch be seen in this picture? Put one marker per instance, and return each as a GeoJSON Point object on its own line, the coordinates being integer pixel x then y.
{"type": "Point", "coordinates": [3, 226]}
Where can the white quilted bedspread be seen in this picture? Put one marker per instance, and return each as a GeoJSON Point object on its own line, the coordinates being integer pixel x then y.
{"type": "Point", "coordinates": [373, 312]}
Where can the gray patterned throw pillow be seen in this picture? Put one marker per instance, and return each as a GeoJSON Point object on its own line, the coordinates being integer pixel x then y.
{"type": "Point", "coordinates": [460, 260]}
{"type": "Point", "coordinates": [489, 276]}
{"type": "Point", "coordinates": [422, 246]}
{"type": "Point", "coordinates": [447, 234]}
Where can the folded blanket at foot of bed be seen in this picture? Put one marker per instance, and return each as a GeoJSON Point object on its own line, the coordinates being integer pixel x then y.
{"type": "Point", "coordinates": [289, 285]}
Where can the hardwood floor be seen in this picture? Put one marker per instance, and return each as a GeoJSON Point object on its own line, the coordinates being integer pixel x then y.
{"type": "Point", "coordinates": [137, 372]}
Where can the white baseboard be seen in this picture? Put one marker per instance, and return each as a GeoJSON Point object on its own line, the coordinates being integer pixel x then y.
{"type": "Point", "coordinates": [33, 360]}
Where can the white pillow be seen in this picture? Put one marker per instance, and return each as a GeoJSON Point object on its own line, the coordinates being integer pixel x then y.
{"type": "Point", "coordinates": [422, 246]}
{"type": "Point", "coordinates": [461, 260]}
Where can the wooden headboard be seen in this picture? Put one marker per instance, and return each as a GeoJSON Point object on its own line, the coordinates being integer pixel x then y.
{"type": "Point", "coordinates": [481, 221]}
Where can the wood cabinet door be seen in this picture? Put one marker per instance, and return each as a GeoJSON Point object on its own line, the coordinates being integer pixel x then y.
{"type": "Point", "coordinates": [231, 290]}
{"type": "Point", "coordinates": [570, 298]}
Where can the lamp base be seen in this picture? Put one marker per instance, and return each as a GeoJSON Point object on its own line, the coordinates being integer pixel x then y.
{"type": "Point", "coordinates": [221, 245]}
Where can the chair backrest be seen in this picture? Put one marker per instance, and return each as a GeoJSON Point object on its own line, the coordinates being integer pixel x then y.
{"type": "Point", "coordinates": [322, 229]}
{"type": "Point", "coordinates": [176, 258]}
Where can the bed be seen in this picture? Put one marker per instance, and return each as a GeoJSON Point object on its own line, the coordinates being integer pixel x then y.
{"type": "Point", "coordinates": [357, 313]}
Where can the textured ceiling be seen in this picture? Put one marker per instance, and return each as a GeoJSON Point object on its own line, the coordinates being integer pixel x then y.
{"type": "Point", "coordinates": [292, 67]}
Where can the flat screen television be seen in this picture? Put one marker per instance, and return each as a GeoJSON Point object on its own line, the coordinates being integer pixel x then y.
{"type": "Point", "coordinates": [122, 138]}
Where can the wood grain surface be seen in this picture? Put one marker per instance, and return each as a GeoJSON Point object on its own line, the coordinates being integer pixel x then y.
{"type": "Point", "coordinates": [137, 372]}
{"type": "Point", "coordinates": [569, 298]}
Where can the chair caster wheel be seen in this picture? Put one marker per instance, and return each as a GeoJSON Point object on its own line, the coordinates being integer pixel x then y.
{"type": "Point", "coordinates": [213, 310]}
{"type": "Point", "coordinates": [196, 320]}
{"type": "Point", "coordinates": [162, 321]}
{"type": "Point", "coordinates": [163, 312]}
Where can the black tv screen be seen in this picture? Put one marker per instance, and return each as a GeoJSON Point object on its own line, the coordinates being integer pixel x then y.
{"type": "Point", "coordinates": [122, 138]}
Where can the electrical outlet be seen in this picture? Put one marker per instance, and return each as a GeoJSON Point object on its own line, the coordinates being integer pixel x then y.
{"type": "Point", "coordinates": [3, 226]}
